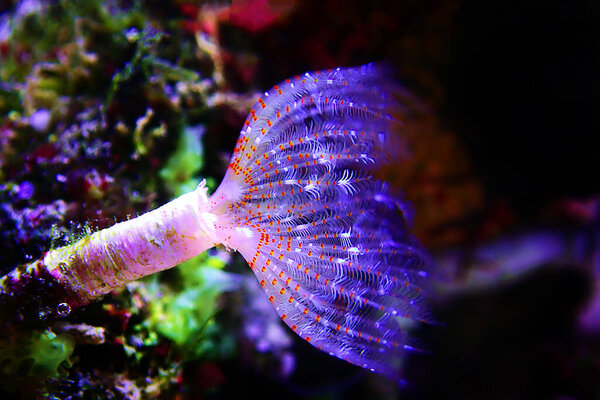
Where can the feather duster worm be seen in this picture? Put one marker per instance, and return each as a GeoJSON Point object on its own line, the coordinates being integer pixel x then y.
{"type": "Point", "coordinates": [299, 201]}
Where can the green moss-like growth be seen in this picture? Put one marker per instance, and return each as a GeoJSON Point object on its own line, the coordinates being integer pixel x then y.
{"type": "Point", "coordinates": [38, 354]}
{"type": "Point", "coordinates": [181, 168]}
{"type": "Point", "coordinates": [184, 313]}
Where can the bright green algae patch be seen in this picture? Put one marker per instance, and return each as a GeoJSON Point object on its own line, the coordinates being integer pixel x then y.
{"type": "Point", "coordinates": [37, 355]}
{"type": "Point", "coordinates": [186, 315]}
{"type": "Point", "coordinates": [179, 172]}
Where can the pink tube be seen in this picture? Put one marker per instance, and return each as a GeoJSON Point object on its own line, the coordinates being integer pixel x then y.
{"type": "Point", "coordinates": [152, 242]}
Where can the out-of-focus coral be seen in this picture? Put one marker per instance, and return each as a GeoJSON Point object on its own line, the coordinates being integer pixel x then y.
{"type": "Point", "coordinates": [436, 176]}
{"type": "Point", "coordinates": [262, 327]}
{"type": "Point", "coordinates": [255, 15]}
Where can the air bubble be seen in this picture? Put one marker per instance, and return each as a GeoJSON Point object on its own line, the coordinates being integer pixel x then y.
{"type": "Point", "coordinates": [63, 309]}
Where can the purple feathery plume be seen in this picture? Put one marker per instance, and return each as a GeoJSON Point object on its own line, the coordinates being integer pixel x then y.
{"type": "Point", "coordinates": [332, 251]}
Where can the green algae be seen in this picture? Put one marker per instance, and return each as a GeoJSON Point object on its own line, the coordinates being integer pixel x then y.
{"type": "Point", "coordinates": [180, 170]}
{"type": "Point", "coordinates": [34, 354]}
{"type": "Point", "coordinates": [185, 315]}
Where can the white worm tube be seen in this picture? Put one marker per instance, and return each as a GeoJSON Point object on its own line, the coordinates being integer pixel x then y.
{"type": "Point", "coordinates": [152, 242]}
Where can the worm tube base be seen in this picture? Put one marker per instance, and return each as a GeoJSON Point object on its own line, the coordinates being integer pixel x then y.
{"type": "Point", "coordinates": [75, 275]}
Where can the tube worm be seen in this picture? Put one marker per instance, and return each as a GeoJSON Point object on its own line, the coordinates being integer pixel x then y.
{"type": "Point", "coordinates": [327, 242]}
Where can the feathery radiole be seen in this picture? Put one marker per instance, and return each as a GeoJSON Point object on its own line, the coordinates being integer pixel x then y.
{"type": "Point", "coordinates": [326, 241]}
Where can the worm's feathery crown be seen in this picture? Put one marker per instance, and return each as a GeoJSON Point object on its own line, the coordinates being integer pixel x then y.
{"type": "Point", "coordinates": [326, 241]}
